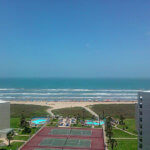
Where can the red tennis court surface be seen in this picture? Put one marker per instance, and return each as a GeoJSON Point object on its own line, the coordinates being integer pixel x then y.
{"type": "Point", "coordinates": [67, 139]}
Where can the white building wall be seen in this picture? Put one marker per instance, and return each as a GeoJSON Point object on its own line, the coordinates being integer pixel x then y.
{"type": "Point", "coordinates": [4, 115]}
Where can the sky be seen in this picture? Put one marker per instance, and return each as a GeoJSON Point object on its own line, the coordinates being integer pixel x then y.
{"type": "Point", "coordinates": [75, 38]}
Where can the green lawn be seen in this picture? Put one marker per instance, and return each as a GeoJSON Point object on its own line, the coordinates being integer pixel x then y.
{"type": "Point", "coordinates": [120, 134]}
{"type": "Point", "coordinates": [131, 124]}
{"type": "Point", "coordinates": [115, 110]}
{"type": "Point", "coordinates": [14, 146]}
{"type": "Point", "coordinates": [72, 112]}
{"type": "Point", "coordinates": [25, 138]}
{"type": "Point", "coordinates": [33, 130]}
{"type": "Point", "coordinates": [28, 111]}
{"type": "Point", "coordinates": [14, 122]}
{"type": "Point", "coordinates": [126, 145]}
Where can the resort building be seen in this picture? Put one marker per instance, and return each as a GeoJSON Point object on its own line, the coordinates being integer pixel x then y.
{"type": "Point", "coordinates": [143, 120]}
{"type": "Point", "coordinates": [4, 115]}
{"type": "Point", "coordinates": [4, 119]}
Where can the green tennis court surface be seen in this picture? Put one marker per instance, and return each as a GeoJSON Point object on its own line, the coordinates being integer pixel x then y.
{"type": "Point", "coordinates": [82, 143]}
{"type": "Point", "coordinates": [70, 132]}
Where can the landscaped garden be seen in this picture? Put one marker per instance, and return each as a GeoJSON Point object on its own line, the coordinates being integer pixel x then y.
{"type": "Point", "coordinates": [21, 114]}
{"type": "Point", "coordinates": [73, 112]}
{"type": "Point", "coordinates": [124, 138]}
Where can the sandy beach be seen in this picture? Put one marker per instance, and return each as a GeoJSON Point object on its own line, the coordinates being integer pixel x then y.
{"type": "Point", "coordinates": [58, 105]}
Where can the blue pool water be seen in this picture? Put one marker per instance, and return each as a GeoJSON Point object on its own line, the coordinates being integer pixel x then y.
{"type": "Point", "coordinates": [89, 122]}
{"type": "Point", "coordinates": [39, 121]}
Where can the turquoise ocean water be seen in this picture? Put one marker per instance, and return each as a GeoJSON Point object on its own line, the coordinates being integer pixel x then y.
{"type": "Point", "coordinates": [66, 89]}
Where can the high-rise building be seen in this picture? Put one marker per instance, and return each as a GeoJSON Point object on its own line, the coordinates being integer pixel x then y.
{"type": "Point", "coordinates": [143, 120]}
{"type": "Point", "coordinates": [4, 115]}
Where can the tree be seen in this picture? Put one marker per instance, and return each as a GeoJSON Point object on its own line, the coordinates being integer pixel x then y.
{"type": "Point", "coordinates": [108, 128]}
{"type": "Point", "coordinates": [103, 114]}
{"type": "Point", "coordinates": [83, 111]}
{"type": "Point", "coordinates": [93, 117]}
{"type": "Point", "coordinates": [26, 128]}
{"type": "Point", "coordinates": [22, 121]}
{"type": "Point", "coordinates": [99, 119]}
{"type": "Point", "coordinates": [78, 118]}
{"type": "Point", "coordinates": [113, 143]}
{"type": "Point", "coordinates": [10, 137]}
{"type": "Point", "coordinates": [121, 121]}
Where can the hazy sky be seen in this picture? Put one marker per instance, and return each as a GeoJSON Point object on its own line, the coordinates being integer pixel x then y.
{"type": "Point", "coordinates": [74, 38]}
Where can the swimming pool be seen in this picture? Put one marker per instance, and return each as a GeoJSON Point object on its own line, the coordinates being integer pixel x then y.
{"type": "Point", "coordinates": [96, 123]}
{"type": "Point", "coordinates": [39, 121]}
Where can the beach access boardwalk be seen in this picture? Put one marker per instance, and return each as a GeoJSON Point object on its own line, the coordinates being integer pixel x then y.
{"type": "Point", "coordinates": [91, 111]}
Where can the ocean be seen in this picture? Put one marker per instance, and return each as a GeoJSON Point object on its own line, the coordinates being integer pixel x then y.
{"type": "Point", "coordinates": [71, 89]}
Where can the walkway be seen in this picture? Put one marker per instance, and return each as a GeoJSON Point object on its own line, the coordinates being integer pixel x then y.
{"type": "Point", "coordinates": [91, 111]}
{"type": "Point", "coordinates": [125, 131]}
{"type": "Point", "coordinates": [50, 112]}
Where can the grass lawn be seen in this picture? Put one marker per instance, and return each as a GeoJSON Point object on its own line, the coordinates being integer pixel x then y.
{"type": "Point", "coordinates": [14, 146]}
{"type": "Point", "coordinates": [126, 145]}
{"type": "Point", "coordinates": [33, 130]}
{"type": "Point", "coordinates": [25, 138]}
{"type": "Point", "coordinates": [28, 111]}
{"type": "Point", "coordinates": [72, 112]}
{"type": "Point", "coordinates": [115, 110]}
{"type": "Point", "coordinates": [14, 122]}
{"type": "Point", "coordinates": [130, 123]}
{"type": "Point", "coordinates": [120, 134]}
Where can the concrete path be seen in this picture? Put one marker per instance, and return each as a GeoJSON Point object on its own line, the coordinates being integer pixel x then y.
{"type": "Point", "coordinates": [91, 111]}
{"type": "Point", "coordinates": [17, 141]}
{"type": "Point", "coordinates": [125, 131]}
{"type": "Point", "coordinates": [105, 138]}
{"type": "Point", "coordinates": [50, 112]}
{"type": "Point", "coordinates": [23, 135]}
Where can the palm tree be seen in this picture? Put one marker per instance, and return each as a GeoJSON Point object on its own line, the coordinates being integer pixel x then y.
{"type": "Point", "coordinates": [108, 128]}
{"type": "Point", "coordinates": [10, 137]}
{"type": "Point", "coordinates": [109, 134]}
{"type": "Point", "coordinates": [121, 122]}
{"type": "Point", "coordinates": [103, 114]}
{"type": "Point", "coordinates": [22, 120]}
{"type": "Point", "coordinates": [83, 111]}
{"type": "Point", "coordinates": [78, 118]}
{"type": "Point", "coordinates": [113, 143]}
{"type": "Point", "coordinates": [99, 119]}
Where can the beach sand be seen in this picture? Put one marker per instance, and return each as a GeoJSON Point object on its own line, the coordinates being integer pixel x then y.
{"type": "Point", "coordinates": [59, 105]}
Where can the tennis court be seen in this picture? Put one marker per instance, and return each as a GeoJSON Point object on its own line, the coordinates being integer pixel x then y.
{"type": "Point", "coordinates": [65, 142]}
{"type": "Point", "coordinates": [49, 138]}
{"type": "Point", "coordinates": [71, 132]}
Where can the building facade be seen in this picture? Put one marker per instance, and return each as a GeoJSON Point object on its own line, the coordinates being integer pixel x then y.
{"type": "Point", "coordinates": [4, 115]}
{"type": "Point", "coordinates": [143, 120]}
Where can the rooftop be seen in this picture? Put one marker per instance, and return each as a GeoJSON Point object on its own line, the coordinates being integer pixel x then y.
{"type": "Point", "coordinates": [3, 101]}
